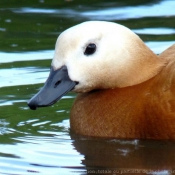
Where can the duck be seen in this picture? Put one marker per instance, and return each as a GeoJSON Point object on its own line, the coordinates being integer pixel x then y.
{"type": "Point", "coordinates": [124, 89]}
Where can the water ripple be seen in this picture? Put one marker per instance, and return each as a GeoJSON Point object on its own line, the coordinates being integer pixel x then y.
{"type": "Point", "coordinates": [120, 13]}
{"type": "Point", "coordinates": [114, 13]}
{"type": "Point", "coordinates": [20, 75]}
{"type": "Point", "coordinates": [25, 56]}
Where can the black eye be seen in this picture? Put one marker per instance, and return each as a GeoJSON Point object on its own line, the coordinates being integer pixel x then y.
{"type": "Point", "coordinates": [90, 49]}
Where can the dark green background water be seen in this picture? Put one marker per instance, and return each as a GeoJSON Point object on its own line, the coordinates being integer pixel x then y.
{"type": "Point", "coordinates": [39, 141]}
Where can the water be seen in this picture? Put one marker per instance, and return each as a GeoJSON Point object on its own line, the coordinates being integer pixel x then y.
{"type": "Point", "coordinates": [40, 142]}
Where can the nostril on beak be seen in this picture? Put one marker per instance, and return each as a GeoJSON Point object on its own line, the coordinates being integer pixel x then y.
{"type": "Point", "coordinates": [57, 83]}
{"type": "Point", "coordinates": [76, 82]}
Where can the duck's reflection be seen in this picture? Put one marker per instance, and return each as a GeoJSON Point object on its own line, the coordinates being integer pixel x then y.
{"type": "Point", "coordinates": [113, 156]}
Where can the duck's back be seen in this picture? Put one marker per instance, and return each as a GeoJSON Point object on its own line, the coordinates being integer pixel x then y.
{"type": "Point", "coordinates": [146, 110]}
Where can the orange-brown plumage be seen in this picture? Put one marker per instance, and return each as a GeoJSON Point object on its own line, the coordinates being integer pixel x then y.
{"type": "Point", "coordinates": [146, 110]}
{"type": "Point", "coordinates": [126, 91]}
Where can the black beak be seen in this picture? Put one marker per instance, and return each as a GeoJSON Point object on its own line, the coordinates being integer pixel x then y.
{"type": "Point", "coordinates": [57, 85]}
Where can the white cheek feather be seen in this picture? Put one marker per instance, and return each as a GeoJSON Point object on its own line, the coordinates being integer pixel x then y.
{"type": "Point", "coordinates": [56, 64]}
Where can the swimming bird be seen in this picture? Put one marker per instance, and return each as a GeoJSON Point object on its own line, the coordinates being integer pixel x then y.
{"type": "Point", "coordinates": [124, 89]}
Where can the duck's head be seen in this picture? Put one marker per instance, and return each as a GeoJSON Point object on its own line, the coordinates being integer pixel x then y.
{"type": "Point", "coordinates": [96, 55]}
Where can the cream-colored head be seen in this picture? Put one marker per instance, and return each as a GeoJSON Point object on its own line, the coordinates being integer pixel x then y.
{"type": "Point", "coordinates": [120, 59]}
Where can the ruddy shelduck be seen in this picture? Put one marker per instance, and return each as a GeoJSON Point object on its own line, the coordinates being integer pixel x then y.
{"type": "Point", "coordinates": [125, 90]}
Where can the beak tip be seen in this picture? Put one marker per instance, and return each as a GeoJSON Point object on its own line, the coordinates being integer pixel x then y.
{"type": "Point", "coordinates": [31, 105]}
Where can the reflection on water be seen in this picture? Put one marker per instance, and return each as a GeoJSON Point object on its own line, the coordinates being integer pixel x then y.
{"type": "Point", "coordinates": [155, 31]}
{"type": "Point", "coordinates": [40, 142]}
{"type": "Point", "coordinates": [7, 80]}
{"type": "Point", "coordinates": [25, 56]}
{"type": "Point", "coordinates": [126, 156]}
{"type": "Point", "coordinates": [140, 11]}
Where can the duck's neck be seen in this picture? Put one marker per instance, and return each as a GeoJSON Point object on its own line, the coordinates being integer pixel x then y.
{"type": "Point", "coordinates": [144, 67]}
